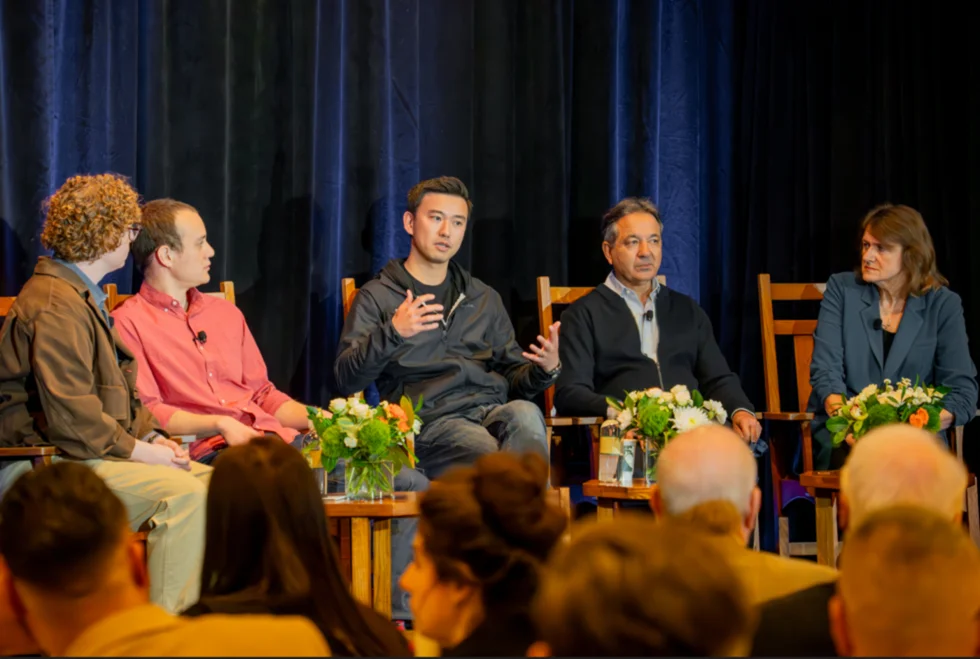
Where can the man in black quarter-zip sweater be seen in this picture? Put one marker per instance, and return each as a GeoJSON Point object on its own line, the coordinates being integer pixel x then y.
{"type": "Point", "coordinates": [633, 333]}
{"type": "Point", "coordinates": [424, 327]}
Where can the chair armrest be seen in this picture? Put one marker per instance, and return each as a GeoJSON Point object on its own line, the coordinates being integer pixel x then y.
{"type": "Point", "coordinates": [29, 451]}
{"type": "Point", "coordinates": [568, 421]}
{"type": "Point", "coordinates": [785, 416]}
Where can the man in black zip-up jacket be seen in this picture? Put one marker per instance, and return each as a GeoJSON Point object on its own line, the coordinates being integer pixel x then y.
{"type": "Point", "coordinates": [633, 333]}
{"type": "Point", "coordinates": [424, 327]}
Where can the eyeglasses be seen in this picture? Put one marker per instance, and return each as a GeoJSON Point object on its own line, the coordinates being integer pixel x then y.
{"type": "Point", "coordinates": [134, 230]}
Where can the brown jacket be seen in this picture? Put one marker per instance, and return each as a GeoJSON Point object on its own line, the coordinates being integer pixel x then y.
{"type": "Point", "coordinates": [60, 382]}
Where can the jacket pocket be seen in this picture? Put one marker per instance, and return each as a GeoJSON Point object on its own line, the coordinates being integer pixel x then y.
{"type": "Point", "coordinates": [115, 401]}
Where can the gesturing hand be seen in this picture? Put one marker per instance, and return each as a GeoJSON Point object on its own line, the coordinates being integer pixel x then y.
{"type": "Point", "coordinates": [546, 356]}
{"type": "Point", "coordinates": [413, 316]}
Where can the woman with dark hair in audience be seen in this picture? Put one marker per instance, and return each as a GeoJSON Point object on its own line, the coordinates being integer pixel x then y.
{"type": "Point", "coordinates": [267, 550]}
{"type": "Point", "coordinates": [484, 533]}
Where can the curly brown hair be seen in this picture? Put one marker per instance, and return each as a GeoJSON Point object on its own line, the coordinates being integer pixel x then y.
{"type": "Point", "coordinates": [490, 524]}
{"type": "Point", "coordinates": [88, 215]}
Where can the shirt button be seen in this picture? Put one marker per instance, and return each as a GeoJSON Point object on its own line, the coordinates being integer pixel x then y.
{"type": "Point", "coordinates": [222, 401]}
{"type": "Point", "coordinates": [210, 375]}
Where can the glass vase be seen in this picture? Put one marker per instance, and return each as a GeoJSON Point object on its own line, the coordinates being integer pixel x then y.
{"type": "Point", "coordinates": [369, 480]}
{"type": "Point", "coordinates": [651, 451]}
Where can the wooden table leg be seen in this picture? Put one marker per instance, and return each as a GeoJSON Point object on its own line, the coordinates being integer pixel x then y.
{"type": "Point", "coordinates": [826, 510]}
{"type": "Point", "coordinates": [361, 559]}
{"type": "Point", "coordinates": [606, 509]}
{"type": "Point", "coordinates": [381, 536]}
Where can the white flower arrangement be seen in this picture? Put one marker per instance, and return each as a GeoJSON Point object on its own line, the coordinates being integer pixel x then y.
{"type": "Point", "coordinates": [874, 406]}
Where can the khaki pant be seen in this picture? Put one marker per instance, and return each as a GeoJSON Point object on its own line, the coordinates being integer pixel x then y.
{"type": "Point", "coordinates": [171, 503]}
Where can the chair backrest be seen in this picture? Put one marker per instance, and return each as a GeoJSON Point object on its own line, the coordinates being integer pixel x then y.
{"type": "Point", "coordinates": [548, 296]}
{"type": "Point", "coordinates": [800, 330]}
{"type": "Point", "coordinates": [227, 291]}
{"type": "Point", "coordinates": [348, 290]}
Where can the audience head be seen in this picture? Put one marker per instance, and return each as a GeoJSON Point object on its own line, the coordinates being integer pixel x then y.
{"type": "Point", "coordinates": [900, 464]}
{"type": "Point", "coordinates": [896, 247]}
{"type": "Point", "coordinates": [71, 556]}
{"type": "Point", "coordinates": [631, 240]}
{"type": "Point", "coordinates": [484, 532]}
{"type": "Point", "coordinates": [438, 211]}
{"type": "Point", "coordinates": [92, 218]}
{"type": "Point", "coordinates": [909, 586]}
{"type": "Point", "coordinates": [173, 244]}
{"type": "Point", "coordinates": [708, 475]}
{"type": "Point", "coordinates": [641, 589]}
{"type": "Point", "coordinates": [267, 540]}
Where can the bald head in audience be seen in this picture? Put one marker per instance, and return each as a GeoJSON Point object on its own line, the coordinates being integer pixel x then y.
{"type": "Point", "coordinates": [909, 586]}
{"type": "Point", "coordinates": [709, 464]}
{"type": "Point", "coordinates": [638, 588]}
{"type": "Point", "coordinates": [900, 464]}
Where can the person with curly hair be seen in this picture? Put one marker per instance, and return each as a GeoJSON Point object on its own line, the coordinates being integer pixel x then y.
{"type": "Point", "coordinates": [68, 380]}
{"type": "Point", "coordinates": [485, 532]}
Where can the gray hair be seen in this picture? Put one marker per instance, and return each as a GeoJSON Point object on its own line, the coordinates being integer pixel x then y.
{"type": "Point", "coordinates": [899, 464]}
{"type": "Point", "coordinates": [707, 464]}
{"type": "Point", "coordinates": [626, 207]}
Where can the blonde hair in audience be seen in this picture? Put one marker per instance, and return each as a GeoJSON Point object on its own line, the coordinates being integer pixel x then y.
{"type": "Point", "coordinates": [909, 586]}
{"type": "Point", "coordinates": [900, 464]}
{"type": "Point", "coordinates": [639, 588]}
{"type": "Point", "coordinates": [725, 470]}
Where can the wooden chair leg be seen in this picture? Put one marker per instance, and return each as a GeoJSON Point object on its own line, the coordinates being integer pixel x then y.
{"type": "Point", "coordinates": [973, 513]}
{"type": "Point", "coordinates": [783, 536]}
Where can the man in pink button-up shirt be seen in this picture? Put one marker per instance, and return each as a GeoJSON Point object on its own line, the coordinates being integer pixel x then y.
{"type": "Point", "coordinates": [201, 372]}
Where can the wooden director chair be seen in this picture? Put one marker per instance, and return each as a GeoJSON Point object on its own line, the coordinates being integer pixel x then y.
{"type": "Point", "coordinates": [786, 486]}
{"type": "Point", "coordinates": [38, 455]}
{"type": "Point", "coordinates": [548, 297]}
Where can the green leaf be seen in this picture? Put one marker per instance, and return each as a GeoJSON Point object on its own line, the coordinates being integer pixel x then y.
{"type": "Point", "coordinates": [418, 405]}
{"type": "Point", "coordinates": [838, 437]}
{"type": "Point", "coordinates": [697, 398]}
{"type": "Point", "coordinates": [328, 462]}
{"type": "Point", "coordinates": [836, 424]}
{"type": "Point", "coordinates": [881, 415]}
{"type": "Point", "coordinates": [615, 404]}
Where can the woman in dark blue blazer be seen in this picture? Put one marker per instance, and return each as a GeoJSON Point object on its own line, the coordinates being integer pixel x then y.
{"type": "Point", "coordinates": [892, 318]}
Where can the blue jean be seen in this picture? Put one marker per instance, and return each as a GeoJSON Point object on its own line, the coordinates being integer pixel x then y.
{"type": "Point", "coordinates": [460, 439]}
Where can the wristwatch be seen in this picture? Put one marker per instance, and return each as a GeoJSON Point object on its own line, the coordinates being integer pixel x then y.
{"type": "Point", "coordinates": [556, 371]}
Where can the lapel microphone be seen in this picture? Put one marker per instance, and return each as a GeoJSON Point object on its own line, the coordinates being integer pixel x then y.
{"type": "Point", "coordinates": [877, 324]}
{"type": "Point", "coordinates": [202, 337]}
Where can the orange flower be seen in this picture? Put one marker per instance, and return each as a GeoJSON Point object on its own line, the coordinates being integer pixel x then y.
{"type": "Point", "coordinates": [396, 412]}
{"type": "Point", "coordinates": [919, 419]}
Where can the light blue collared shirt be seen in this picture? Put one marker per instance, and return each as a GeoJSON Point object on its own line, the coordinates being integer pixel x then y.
{"type": "Point", "coordinates": [648, 329]}
{"type": "Point", "coordinates": [98, 294]}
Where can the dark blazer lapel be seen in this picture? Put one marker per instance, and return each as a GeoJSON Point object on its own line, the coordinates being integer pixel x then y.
{"type": "Point", "coordinates": [908, 329]}
{"type": "Point", "coordinates": [869, 314]}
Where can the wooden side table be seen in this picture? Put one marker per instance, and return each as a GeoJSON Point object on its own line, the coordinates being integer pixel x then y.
{"type": "Point", "coordinates": [610, 495]}
{"type": "Point", "coordinates": [364, 539]}
{"type": "Point", "coordinates": [824, 485]}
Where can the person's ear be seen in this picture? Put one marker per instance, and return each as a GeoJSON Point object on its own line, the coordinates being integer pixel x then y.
{"type": "Point", "coordinates": [838, 626]}
{"type": "Point", "coordinates": [607, 251]}
{"type": "Point", "coordinates": [136, 556]}
{"type": "Point", "coordinates": [539, 649]}
{"type": "Point", "coordinates": [656, 500]}
{"type": "Point", "coordinates": [408, 220]}
{"type": "Point", "coordinates": [755, 505]}
{"type": "Point", "coordinates": [844, 511]}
